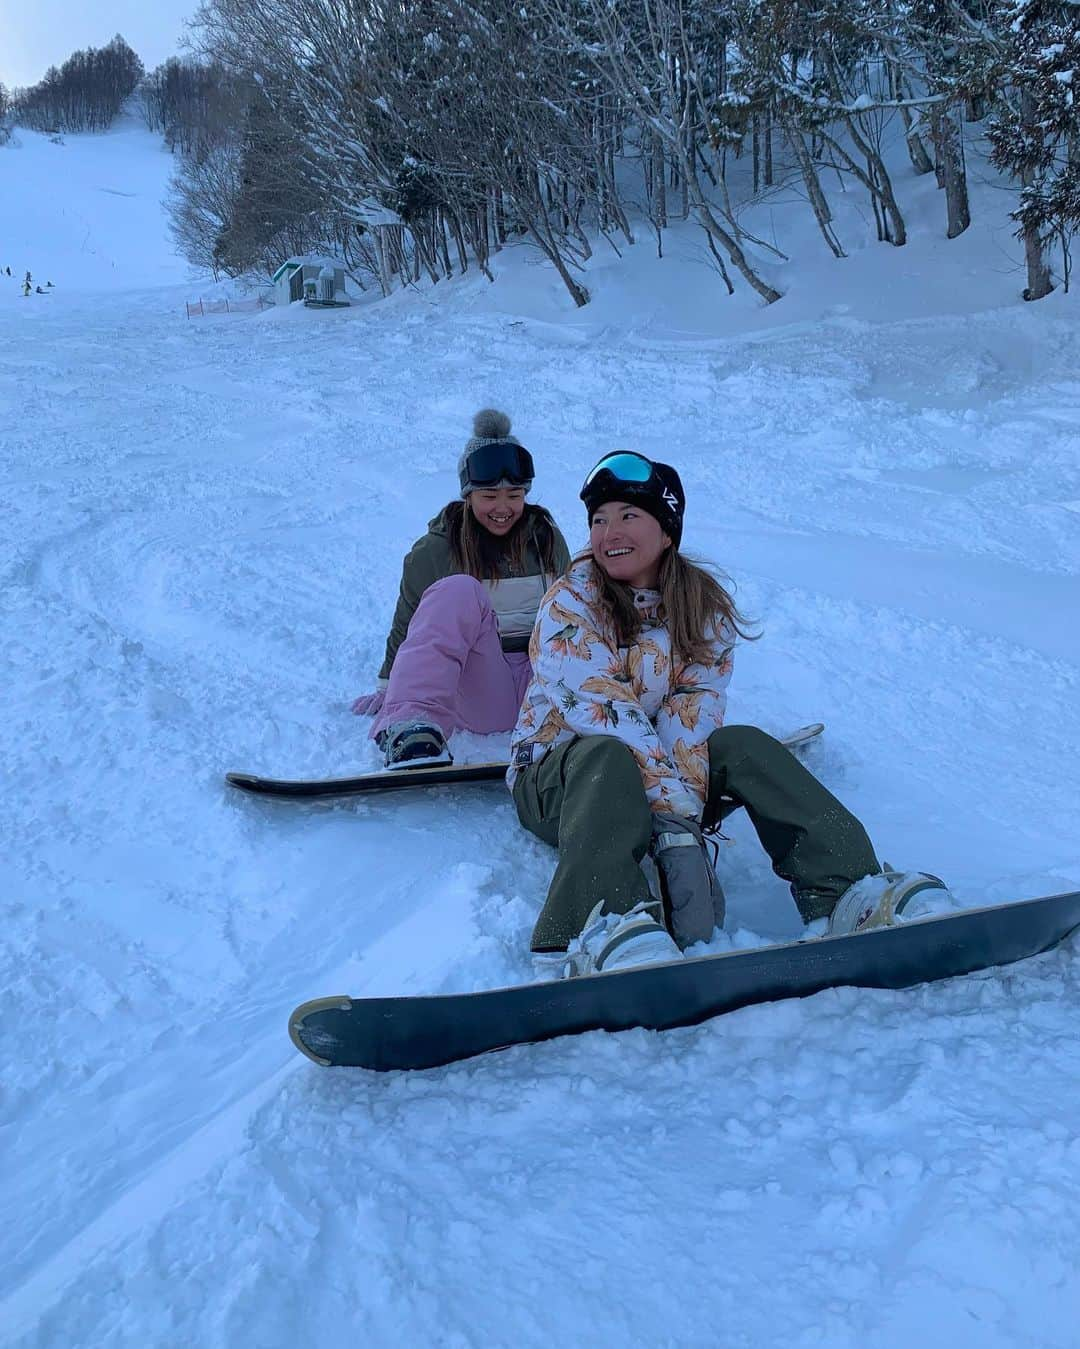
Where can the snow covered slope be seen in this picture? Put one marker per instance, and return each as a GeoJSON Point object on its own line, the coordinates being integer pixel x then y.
{"type": "Point", "coordinates": [203, 525]}
{"type": "Point", "coordinates": [84, 212]}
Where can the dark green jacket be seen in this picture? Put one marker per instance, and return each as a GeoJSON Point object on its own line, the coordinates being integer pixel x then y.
{"type": "Point", "coordinates": [515, 599]}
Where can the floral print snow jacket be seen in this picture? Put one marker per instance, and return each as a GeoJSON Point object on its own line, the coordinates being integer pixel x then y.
{"type": "Point", "coordinates": [583, 684]}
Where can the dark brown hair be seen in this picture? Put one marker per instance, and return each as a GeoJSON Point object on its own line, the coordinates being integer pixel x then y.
{"type": "Point", "coordinates": [693, 605]}
{"type": "Point", "coordinates": [484, 555]}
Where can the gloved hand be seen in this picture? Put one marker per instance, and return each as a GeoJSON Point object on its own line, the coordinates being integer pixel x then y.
{"type": "Point", "coordinates": [369, 704]}
{"type": "Point", "coordinates": [694, 893]}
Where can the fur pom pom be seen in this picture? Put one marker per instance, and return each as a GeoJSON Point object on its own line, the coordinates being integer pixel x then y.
{"type": "Point", "coordinates": [491, 424]}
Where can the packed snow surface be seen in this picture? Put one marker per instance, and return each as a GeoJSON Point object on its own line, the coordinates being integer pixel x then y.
{"type": "Point", "coordinates": [203, 527]}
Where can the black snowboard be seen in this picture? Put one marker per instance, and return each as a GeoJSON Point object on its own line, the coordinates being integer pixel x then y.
{"type": "Point", "coordinates": [425, 1032]}
{"type": "Point", "coordinates": [443, 775]}
{"type": "Point", "coordinates": [438, 775]}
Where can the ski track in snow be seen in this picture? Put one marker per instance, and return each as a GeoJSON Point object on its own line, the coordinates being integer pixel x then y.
{"type": "Point", "coordinates": [205, 523]}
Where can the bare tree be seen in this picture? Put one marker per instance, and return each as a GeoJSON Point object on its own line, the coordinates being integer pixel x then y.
{"type": "Point", "coordinates": [432, 111]}
{"type": "Point", "coordinates": [645, 54]}
{"type": "Point", "coordinates": [900, 90]}
{"type": "Point", "coordinates": [85, 94]}
{"type": "Point", "coordinates": [202, 202]}
{"type": "Point", "coordinates": [936, 29]}
{"type": "Point", "coordinates": [194, 104]}
{"type": "Point", "coordinates": [424, 136]}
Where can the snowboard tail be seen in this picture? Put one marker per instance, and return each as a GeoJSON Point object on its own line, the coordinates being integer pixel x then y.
{"type": "Point", "coordinates": [397, 779]}
{"type": "Point", "coordinates": [427, 1032]}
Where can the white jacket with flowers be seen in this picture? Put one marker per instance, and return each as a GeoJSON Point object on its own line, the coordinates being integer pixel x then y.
{"type": "Point", "coordinates": [583, 684]}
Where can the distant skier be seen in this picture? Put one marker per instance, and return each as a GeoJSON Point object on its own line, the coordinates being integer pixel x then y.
{"type": "Point", "coordinates": [28, 280]}
{"type": "Point", "coordinates": [456, 657]}
{"type": "Point", "coordinates": [49, 285]}
{"type": "Point", "coordinates": [620, 750]}
{"type": "Point", "coordinates": [40, 290]}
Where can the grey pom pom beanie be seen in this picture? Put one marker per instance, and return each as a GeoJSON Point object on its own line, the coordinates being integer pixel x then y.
{"type": "Point", "coordinates": [490, 427]}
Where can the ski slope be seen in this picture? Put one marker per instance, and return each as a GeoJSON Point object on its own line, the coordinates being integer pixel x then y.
{"type": "Point", "coordinates": [203, 527]}
{"type": "Point", "coordinates": [84, 212]}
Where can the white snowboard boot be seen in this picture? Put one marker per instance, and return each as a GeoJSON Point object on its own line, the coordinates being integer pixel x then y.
{"type": "Point", "coordinates": [620, 941]}
{"type": "Point", "coordinates": [890, 897]}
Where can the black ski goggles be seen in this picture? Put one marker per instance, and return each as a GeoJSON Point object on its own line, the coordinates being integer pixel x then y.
{"type": "Point", "coordinates": [499, 462]}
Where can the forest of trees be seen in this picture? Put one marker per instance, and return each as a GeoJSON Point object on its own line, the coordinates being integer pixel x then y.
{"type": "Point", "coordinates": [85, 94]}
{"type": "Point", "coordinates": [416, 137]}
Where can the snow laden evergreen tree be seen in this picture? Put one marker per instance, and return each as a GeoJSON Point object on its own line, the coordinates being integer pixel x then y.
{"type": "Point", "coordinates": [277, 210]}
{"type": "Point", "coordinates": [1035, 134]}
{"type": "Point", "coordinates": [243, 196]}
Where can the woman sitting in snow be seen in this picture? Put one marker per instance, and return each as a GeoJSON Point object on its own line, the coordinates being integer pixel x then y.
{"type": "Point", "coordinates": [457, 654]}
{"type": "Point", "coordinates": [620, 750]}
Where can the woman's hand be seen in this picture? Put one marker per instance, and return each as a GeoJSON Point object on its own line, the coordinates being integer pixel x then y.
{"type": "Point", "coordinates": [369, 704]}
{"type": "Point", "coordinates": [697, 900]}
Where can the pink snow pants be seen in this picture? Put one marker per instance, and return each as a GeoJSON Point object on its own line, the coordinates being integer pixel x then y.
{"type": "Point", "coordinates": [450, 670]}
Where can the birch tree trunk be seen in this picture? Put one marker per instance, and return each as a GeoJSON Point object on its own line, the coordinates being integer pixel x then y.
{"type": "Point", "coordinates": [659, 172]}
{"type": "Point", "coordinates": [920, 160]}
{"type": "Point", "coordinates": [386, 281]}
{"type": "Point", "coordinates": [814, 191]}
{"type": "Point", "coordinates": [549, 248]}
{"type": "Point", "coordinates": [767, 136]}
{"type": "Point", "coordinates": [755, 138]}
{"type": "Point", "coordinates": [1039, 282]}
{"type": "Point", "coordinates": [876, 178]}
{"type": "Point", "coordinates": [727, 241]}
{"type": "Point", "coordinates": [949, 150]}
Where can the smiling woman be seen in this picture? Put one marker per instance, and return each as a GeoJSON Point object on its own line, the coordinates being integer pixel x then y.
{"type": "Point", "coordinates": [628, 544]}
{"type": "Point", "coordinates": [621, 750]}
{"type": "Point", "coordinates": [456, 657]}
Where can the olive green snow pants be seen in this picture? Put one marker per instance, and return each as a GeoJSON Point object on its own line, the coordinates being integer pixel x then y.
{"type": "Point", "coordinates": [587, 799]}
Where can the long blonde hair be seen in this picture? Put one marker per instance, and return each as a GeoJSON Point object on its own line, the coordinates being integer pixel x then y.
{"type": "Point", "coordinates": [694, 606]}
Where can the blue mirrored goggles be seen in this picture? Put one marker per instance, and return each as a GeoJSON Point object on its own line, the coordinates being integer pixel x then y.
{"type": "Point", "coordinates": [624, 466]}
